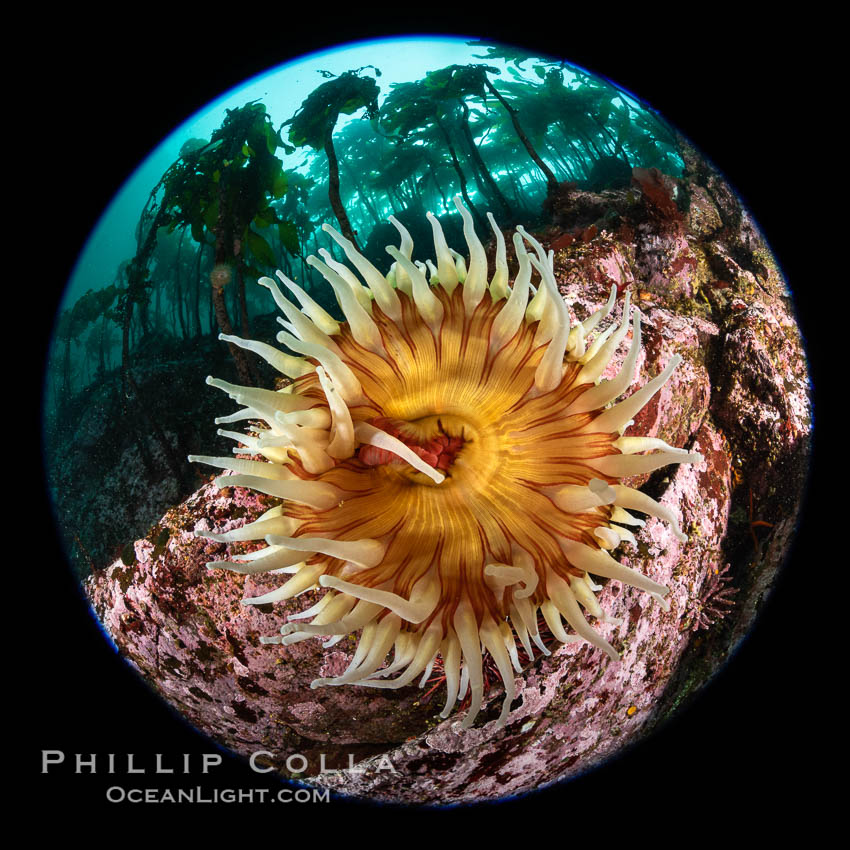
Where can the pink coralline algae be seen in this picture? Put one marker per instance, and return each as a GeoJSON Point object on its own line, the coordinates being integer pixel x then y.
{"type": "Point", "coordinates": [739, 398]}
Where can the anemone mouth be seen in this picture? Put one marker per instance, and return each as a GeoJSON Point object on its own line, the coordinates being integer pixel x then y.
{"type": "Point", "coordinates": [448, 464]}
{"type": "Point", "coordinates": [436, 443]}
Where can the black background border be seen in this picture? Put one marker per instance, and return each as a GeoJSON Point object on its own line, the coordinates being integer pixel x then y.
{"type": "Point", "coordinates": [728, 88]}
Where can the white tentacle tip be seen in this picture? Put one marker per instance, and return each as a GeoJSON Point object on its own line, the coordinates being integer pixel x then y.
{"type": "Point", "coordinates": [665, 605]}
{"type": "Point", "coordinates": [603, 490]}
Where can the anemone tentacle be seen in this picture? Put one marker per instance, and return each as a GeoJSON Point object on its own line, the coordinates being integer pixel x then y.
{"type": "Point", "coordinates": [448, 461]}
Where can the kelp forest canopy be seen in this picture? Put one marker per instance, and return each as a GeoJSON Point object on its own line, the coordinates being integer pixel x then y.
{"type": "Point", "coordinates": [252, 198]}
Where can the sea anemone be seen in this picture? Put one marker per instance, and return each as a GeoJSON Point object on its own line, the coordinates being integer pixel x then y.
{"type": "Point", "coordinates": [448, 463]}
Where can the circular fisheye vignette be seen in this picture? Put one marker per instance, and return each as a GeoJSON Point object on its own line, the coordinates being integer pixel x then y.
{"type": "Point", "coordinates": [355, 299]}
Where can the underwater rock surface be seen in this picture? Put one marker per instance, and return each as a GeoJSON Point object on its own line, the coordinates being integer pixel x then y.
{"type": "Point", "coordinates": [708, 289]}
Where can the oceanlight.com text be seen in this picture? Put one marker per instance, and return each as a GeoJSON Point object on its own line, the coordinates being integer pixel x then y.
{"type": "Point", "coordinates": [118, 794]}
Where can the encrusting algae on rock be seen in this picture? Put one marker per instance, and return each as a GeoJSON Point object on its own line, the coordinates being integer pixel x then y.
{"type": "Point", "coordinates": [448, 461]}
